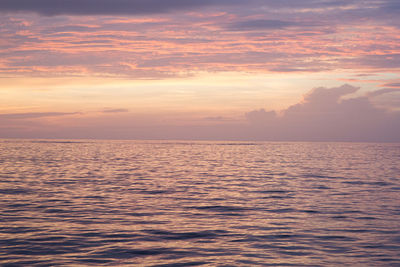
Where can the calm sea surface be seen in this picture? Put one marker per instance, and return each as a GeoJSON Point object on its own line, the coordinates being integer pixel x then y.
{"type": "Point", "coordinates": [154, 203]}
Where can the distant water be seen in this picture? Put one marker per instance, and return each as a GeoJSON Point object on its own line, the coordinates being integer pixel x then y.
{"type": "Point", "coordinates": [153, 203]}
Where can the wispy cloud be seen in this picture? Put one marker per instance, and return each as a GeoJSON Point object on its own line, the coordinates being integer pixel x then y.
{"type": "Point", "coordinates": [383, 91]}
{"type": "Point", "coordinates": [392, 85]}
{"type": "Point", "coordinates": [33, 115]}
{"type": "Point", "coordinates": [259, 24]}
{"type": "Point", "coordinates": [115, 110]}
{"type": "Point", "coordinates": [218, 119]}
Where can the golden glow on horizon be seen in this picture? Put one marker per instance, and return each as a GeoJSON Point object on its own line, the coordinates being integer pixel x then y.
{"type": "Point", "coordinates": [211, 93]}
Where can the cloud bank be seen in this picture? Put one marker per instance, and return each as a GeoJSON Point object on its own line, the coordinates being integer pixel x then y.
{"type": "Point", "coordinates": [139, 7]}
{"type": "Point", "coordinates": [325, 115]}
{"type": "Point", "coordinates": [106, 7]}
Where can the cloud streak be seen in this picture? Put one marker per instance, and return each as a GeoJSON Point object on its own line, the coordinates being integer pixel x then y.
{"type": "Point", "coordinates": [383, 92]}
{"type": "Point", "coordinates": [115, 110]}
{"type": "Point", "coordinates": [260, 24]}
{"type": "Point", "coordinates": [396, 85]}
{"type": "Point", "coordinates": [34, 115]}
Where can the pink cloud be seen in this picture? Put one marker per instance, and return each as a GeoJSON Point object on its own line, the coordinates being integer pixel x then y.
{"type": "Point", "coordinates": [239, 38]}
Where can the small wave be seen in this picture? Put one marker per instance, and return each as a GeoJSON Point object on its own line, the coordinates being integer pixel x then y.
{"type": "Point", "coordinates": [15, 191]}
{"type": "Point", "coordinates": [182, 264]}
{"type": "Point", "coordinates": [380, 183]}
{"type": "Point", "coordinates": [284, 210]}
{"type": "Point", "coordinates": [127, 253]}
{"type": "Point", "coordinates": [168, 235]}
{"type": "Point", "coordinates": [221, 208]}
{"type": "Point", "coordinates": [273, 192]}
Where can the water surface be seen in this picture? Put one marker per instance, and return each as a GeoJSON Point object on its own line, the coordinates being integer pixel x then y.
{"type": "Point", "coordinates": [156, 203]}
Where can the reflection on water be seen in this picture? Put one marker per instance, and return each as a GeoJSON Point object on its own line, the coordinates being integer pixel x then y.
{"type": "Point", "coordinates": [199, 203]}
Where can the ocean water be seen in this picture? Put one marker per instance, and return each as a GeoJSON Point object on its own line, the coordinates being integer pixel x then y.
{"type": "Point", "coordinates": [156, 203]}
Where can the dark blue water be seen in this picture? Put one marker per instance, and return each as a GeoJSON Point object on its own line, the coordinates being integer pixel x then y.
{"type": "Point", "coordinates": [116, 203]}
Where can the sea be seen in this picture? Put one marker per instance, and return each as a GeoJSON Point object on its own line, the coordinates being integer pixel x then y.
{"type": "Point", "coordinates": [198, 203]}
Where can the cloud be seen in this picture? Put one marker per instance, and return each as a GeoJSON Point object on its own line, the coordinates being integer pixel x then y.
{"type": "Point", "coordinates": [253, 35]}
{"type": "Point", "coordinates": [383, 91]}
{"type": "Point", "coordinates": [115, 110]}
{"type": "Point", "coordinates": [392, 85]}
{"type": "Point", "coordinates": [325, 96]}
{"type": "Point", "coordinates": [259, 24]}
{"type": "Point", "coordinates": [106, 7]}
{"type": "Point", "coordinates": [324, 115]}
{"type": "Point", "coordinates": [383, 61]}
{"type": "Point", "coordinates": [33, 115]}
{"type": "Point", "coordinates": [270, 24]}
{"type": "Point", "coordinates": [139, 7]}
{"type": "Point", "coordinates": [391, 6]}
{"type": "Point", "coordinates": [216, 118]}
{"type": "Point", "coordinates": [260, 115]}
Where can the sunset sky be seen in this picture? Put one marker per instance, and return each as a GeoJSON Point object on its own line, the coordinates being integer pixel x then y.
{"type": "Point", "coordinates": [310, 70]}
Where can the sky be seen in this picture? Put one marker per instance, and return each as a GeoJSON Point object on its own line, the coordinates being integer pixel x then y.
{"type": "Point", "coordinates": [288, 70]}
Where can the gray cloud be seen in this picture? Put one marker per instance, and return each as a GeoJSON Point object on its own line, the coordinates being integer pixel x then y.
{"type": "Point", "coordinates": [259, 24]}
{"type": "Point", "coordinates": [384, 61]}
{"type": "Point", "coordinates": [106, 7]}
{"type": "Point", "coordinates": [33, 115]}
{"type": "Point", "coordinates": [271, 24]}
{"type": "Point", "coordinates": [72, 28]}
{"type": "Point", "coordinates": [141, 7]}
{"type": "Point", "coordinates": [391, 6]}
